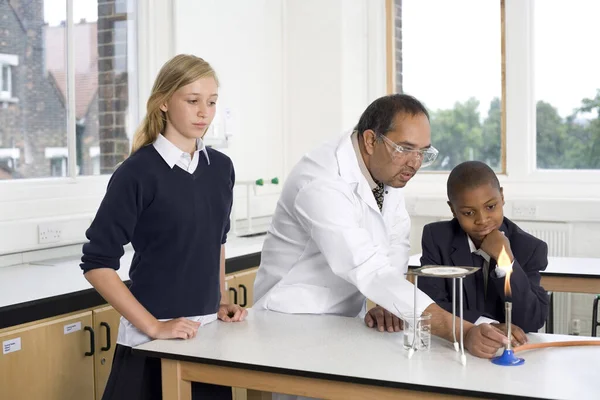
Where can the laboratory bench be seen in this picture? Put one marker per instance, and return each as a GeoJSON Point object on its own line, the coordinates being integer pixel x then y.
{"type": "Point", "coordinates": [333, 357]}
{"type": "Point", "coordinates": [55, 327]}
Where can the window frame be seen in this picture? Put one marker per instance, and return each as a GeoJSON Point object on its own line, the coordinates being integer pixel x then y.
{"type": "Point", "coordinates": [6, 94]}
{"type": "Point", "coordinates": [80, 195]}
{"type": "Point", "coordinates": [521, 175]}
{"type": "Point", "coordinates": [391, 76]}
{"type": "Point", "coordinates": [8, 61]}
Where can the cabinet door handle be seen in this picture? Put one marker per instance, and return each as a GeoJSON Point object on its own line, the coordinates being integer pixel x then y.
{"type": "Point", "coordinates": [92, 340]}
{"type": "Point", "coordinates": [107, 326]}
{"type": "Point", "coordinates": [245, 295]}
{"type": "Point", "coordinates": [234, 295]}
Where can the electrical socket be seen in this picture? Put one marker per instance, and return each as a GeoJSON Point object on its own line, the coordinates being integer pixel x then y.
{"type": "Point", "coordinates": [50, 232]}
{"type": "Point", "coordinates": [524, 210]}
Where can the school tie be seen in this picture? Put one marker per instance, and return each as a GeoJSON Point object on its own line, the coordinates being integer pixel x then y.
{"type": "Point", "coordinates": [378, 193]}
{"type": "Point", "coordinates": [485, 267]}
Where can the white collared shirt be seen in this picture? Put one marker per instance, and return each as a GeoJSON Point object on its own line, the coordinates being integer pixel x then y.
{"type": "Point", "coordinates": [486, 263]}
{"type": "Point", "coordinates": [129, 335]}
{"type": "Point", "coordinates": [361, 162]}
{"type": "Point", "coordinates": [486, 266]}
{"type": "Point", "coordinates": [173, 155]}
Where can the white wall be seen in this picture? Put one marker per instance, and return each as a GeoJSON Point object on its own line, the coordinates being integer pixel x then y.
{"type": "Point", "coordinates": [243, 42]}
{"type": "Point", "coordinates": [334, 68]}
{"type": "Point", "coordinates": [293, 74]}
{"type": "Point", "coordinates": [313, 73]}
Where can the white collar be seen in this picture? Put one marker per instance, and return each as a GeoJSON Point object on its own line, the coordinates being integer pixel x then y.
{"type": "Point", "coordinates": [171, 153]}
{"type": "Point", "coordinates": [349, 171]}
{"type": "Point", "coordinates": [361, 162]}
{"type": "Point", "coordinates": [475, 250]}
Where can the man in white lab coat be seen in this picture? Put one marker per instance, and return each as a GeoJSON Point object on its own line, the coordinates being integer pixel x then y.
{"type": "Point", "coordinates": [340, 232]}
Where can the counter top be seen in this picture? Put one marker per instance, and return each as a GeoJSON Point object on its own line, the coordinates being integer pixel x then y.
{"type": "Point", "coordinates": [29, 292]}
{"type": "Point", "coordinates": [342, 349]}
{"type": "Point", "coordinates": [574, 267]}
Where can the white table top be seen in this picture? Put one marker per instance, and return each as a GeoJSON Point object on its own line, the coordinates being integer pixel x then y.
{"type": "Point", "coordinates": [573, 266]}
{"type": "Point", "coordinates": [586, 267]}
{"type": "Point", "coordinates": [46, 279]}
{"type": "Point", "coordinates": [340, 348]}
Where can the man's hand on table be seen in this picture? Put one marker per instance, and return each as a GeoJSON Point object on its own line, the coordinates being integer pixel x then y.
{"type": "Point", "coordinates": [383, 320]}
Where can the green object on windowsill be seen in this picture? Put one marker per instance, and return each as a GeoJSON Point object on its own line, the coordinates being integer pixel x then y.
{"type": "Point", "coordinates": [261, 182]}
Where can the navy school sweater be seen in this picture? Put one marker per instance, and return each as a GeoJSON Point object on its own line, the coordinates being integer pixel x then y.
{"type": "Point", "coordinates": [176, 222]}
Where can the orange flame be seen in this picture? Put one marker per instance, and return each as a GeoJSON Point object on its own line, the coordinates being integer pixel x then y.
{"type": "Point", "coordinates": [505, 265]}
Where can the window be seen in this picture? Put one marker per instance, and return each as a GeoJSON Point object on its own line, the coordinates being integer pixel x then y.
{"type": "Point", "coordinates": [567, 84]}
{"type": "Point", "coordinates": [456, 73]}
{"type": "Point", "coordinates": [5, 82]}
{"type": "Point", "coordinates": [103, 58]}
{"type": "Point", "coordinates": [7, 63]}
{"type": "Point", "coordinates": [58, 166]}
{"type": "Point", "coordinates": [57, 160]}
{"type": "Point", "coordinates": [9, 158]}
{"type": "Point", "coordinates": [541, 65]}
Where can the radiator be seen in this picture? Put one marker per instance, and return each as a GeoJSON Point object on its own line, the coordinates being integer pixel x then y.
{"type": "Point", "coordinates": [556, 235]}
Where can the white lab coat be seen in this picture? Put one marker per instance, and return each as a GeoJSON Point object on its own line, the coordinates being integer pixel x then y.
{"type": "Point", "coordinates": [329, 246]}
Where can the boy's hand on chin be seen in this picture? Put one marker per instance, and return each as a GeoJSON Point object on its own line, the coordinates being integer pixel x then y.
{"type": "Point", "coordinates": [493, 243]}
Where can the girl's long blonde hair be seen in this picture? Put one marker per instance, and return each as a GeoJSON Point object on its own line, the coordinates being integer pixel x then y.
{"type": "Point", "coordinates": [179, 71]}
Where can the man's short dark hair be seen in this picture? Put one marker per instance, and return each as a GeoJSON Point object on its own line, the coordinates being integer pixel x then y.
{"type": "Point", "coordinates": [379, 116]}
{"type": "Point", "coordinates": [470, 175]}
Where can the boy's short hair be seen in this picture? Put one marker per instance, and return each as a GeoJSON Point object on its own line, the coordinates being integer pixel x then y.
{"type": "Point", "coordinates": [470, 175]}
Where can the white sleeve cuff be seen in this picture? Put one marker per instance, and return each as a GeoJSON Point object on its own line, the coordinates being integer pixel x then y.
{"type": "Point", "coordinates": [485, 320]}
{"type": "Point", "coordinates": [500, 273]}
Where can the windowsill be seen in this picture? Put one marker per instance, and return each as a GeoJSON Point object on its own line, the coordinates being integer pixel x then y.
{"type": "Point", "coordinates": [553, 184]}
{"type": "Point", "coordinates": [9, 100]}
{"type": "Point", "coordinates": [557, 202]}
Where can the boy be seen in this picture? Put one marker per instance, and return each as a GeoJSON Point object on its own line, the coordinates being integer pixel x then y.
{"type": "Point", "coordinates": [475, 237]}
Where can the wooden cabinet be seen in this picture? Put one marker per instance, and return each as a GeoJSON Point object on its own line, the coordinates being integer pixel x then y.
{"type": "Point", "coordinates": [106, 327]}
{"type": "Point", "coordinates": [249, 394]}
{"type": "Point", "coordinates": [70, 356]}
{"type": "Point", "coordinates": [67, 357]}
{"type": "Point", "coordinates": [231, 288]}
{"type": "Point", "coordinates": [241, 287]}
{"type": "Point", "coordinates": [50, 360]}
{"type": "Point", "coordinates": [244, 282]}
